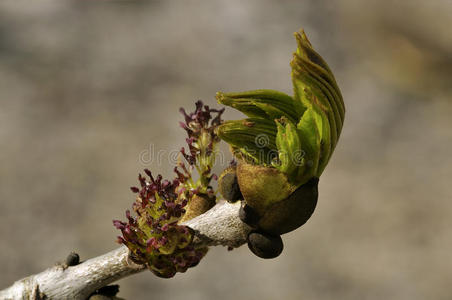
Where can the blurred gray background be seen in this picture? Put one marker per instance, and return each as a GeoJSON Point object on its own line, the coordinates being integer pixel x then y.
{"type": "Point", "coordinates": [86, 86]}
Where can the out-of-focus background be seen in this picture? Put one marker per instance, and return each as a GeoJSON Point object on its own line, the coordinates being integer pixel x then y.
{"type": "Point", "coordinates": [89, 87]}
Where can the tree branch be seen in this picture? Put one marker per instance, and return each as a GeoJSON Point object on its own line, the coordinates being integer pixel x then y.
{"type": "Point", "coordinates": [218, 226]}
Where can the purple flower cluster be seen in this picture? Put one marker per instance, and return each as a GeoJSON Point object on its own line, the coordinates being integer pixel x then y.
{"type": "Point", "coordinates": [154, 237]}
{"type": "Point", "coordinates": [201, 126]}
{"type": "Point", "coordinates": [198, 123]}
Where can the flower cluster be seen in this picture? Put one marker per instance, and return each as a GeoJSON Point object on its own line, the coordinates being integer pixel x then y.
{"type": "Point", "coordinates": [155, 237]}
{"type": "Point", "coordinates": [201, 127]}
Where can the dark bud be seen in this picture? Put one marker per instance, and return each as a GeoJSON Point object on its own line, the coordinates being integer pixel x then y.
{"type": "Point", "coordinates": [72, 259]}
{"type": "Point", "coordinates": [248, 215]}
{"type": "Point", "coordinates": [292, 212]}
{"type": "Point", "coordinates": [229, 186]}
{"type": "Point", "coordinates": [109, 290]}
{"type": "Point", "coordinates": [265, 245]}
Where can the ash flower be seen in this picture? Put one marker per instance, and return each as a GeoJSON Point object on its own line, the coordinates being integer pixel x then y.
{"type": "Point", "coordinates": [201, 127]}
{"type": "Point", "coordinates": [155, 237]}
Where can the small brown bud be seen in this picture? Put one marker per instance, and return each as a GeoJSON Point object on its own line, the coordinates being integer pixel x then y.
{"type": "Point", "coordinates": [72, 259]}
{"type": "Point", "coordinates": [265, 245]}
{"type": "Point", "coordinates": [229, 186]}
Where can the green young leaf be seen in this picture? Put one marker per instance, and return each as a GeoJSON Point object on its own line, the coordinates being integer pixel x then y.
{"type": "Point", "coordinates": [316, 88]}
{"type": "Point", "coordinates": [303, 129]}
{"type": "Point", "coordinates": [267, 104]}
{"type": "Point", "coordinates": [310, 135]}
{"type": "Point", "coordinates": [290, 152]}
{"type": "Point", "coordinates": [253, 137]}
{"type": "Point", "coordinates": [309, 68]}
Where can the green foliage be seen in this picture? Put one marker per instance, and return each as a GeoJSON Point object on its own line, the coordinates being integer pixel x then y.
{"type": "Point", "coordinates": [301, 131]}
